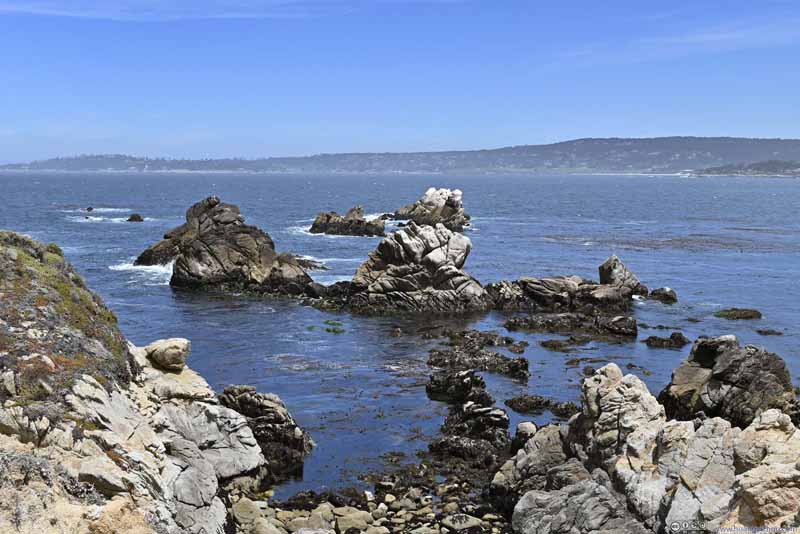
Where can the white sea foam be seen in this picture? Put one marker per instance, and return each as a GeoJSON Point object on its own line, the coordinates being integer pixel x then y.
{"type": "Point", "coordinates": [330, 279]}
{"type": "Point", "coordinates": [149, 275]}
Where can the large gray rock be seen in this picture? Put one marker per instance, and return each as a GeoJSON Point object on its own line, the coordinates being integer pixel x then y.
{"type": "Point", "coordinates": [215, 251]}
{"type": "Point", "coordinates": [281, 439]}
{"type": "Point", "coordinates": [722, 378]}
{"type": "Point", "coordinates": [169, 354]}
{"type": "Point", "coordinates": [437, 206]}
{"type": "Point", "coordinates": [614, 273]}
{"type": "Point", "coordinates": [418, 269]}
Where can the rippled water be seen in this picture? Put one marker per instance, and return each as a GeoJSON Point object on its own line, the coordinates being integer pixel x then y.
{"type": "Point", "coordinates": [719, 242]}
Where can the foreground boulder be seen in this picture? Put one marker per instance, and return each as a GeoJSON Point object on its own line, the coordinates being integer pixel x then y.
{"type": "Point", "coordinates": [722, 378]}
{"type": "Point", "coordinates": [351, 223]}
{"type": "Point", "coordinates": [621, 466]}
{"type": "Point", "coordinates": [437, 206]}
{"type": "Point", "coordinates": [95, 435]}
{"type": "Point", "coordinates": [614, 273]}
{"type": "Point", "coordinates": [215, 251]}
{"type": "Point", "coordinates": [418, 269]}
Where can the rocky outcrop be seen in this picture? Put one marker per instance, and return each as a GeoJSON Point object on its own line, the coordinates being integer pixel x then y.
{"type": "Point", "coordinates": [536, 404]}
{"type": "Point", "coordinates": [97, 435]}
{"type": "Point", "coordinates": [598, 326]}
{"type": "Point", "coordinates": [666, 295]}
{"type": "Point", "coordinates": [351, 223]}
{"type": "Point", "coordinates": [738, 314]}
{"type": "Point", "coordinates": [215, 251]}
{"type": "Point", "coordinates": [458, 387]}
{"type": "Point", "coordinates": [722, 378]}
{"type": "Point", "coordinates": [418, 269]}
{"type": "Point", "coordinates": [622, 466]}
{"type": "Point", "coordinates": [437, 206]}
{"type": "Point", "coordinates": [562, 294]}
{"type": "Point", "coordinates": [614, 273]}
{"type": "Point", "coordinates": [676, 340]}
{"type": "Point", "coordinates": [282, 441]}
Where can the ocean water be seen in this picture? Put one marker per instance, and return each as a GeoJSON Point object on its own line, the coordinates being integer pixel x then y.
{"type": "Point", "coordinates": [719, 242]}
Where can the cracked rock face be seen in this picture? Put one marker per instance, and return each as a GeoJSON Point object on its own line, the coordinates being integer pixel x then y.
{"type": "Point", "coordinates": [437, 206]}
{"type": "Point", "coordinates": [648, 472]}
{"type": "Point", "coordinates": [282, 441]}
{"type": "Point", "coordinates": [722, 378]}
{"type": "Point", "coordinates": [418, 269]}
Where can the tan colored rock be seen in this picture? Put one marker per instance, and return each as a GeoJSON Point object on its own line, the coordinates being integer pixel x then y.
{"type": "Point", "coordinates": [169, 354]}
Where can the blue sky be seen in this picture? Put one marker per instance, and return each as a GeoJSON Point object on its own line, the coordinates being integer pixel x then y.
{"type": "Point", "coordinates": [202, 78]}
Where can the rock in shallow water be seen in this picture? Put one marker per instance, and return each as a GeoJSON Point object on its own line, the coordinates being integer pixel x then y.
{"type": "Point", "coordinates": [437, 206]}
{"type": "Point", "coordinates": [352, 223]}
{"type": "Point", "coordinates": [418, 269]}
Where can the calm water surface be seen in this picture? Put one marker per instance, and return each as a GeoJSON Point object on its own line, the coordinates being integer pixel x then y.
{"type": "Point", "coordinates": [719, 242]}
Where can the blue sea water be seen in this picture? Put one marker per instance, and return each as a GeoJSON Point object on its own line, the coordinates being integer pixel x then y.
{"type": "Point", "coordinates": [719, 242]}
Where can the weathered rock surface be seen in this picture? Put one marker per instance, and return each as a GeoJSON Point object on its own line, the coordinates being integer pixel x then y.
{"type": "Point", "coordinates": [351, 223]}
{"type": "Point", "coordinates": [437, 206]}
{"type": "Point", "coordinates": [458, 388]}
{"type": "Point", "coordinates": [536, 404]}
{"type": "Point", "coordinates": [215, 251]}
{"type": "Point", "coordinates": [169, 354]}
{"type": "Point", "coordinates": [621, 466]}
{"type": "Point", "coordinates": [282, 441]}
{"type": "Point", "coordinates": [614, 273]}
{"type": "Point", "coordinates": [722, 378]}
{"type": "Point", "coordinates": [676, 340]}
{"type": "Point", "coordinates": [418, 269]}
{"type": "Point", "coordinates": [598, 326]}
{"type": "Point", "coordinates": [570, 293]}
{"type": "Point", "coordinates": [666, 295]}
{"type": "Point", "coordinates": [95, 435]}
{"type": "Point", "coordinates": [738, 314]}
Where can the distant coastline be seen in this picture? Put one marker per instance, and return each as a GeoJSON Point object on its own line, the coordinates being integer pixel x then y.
{"type": "Point", "coordinates": [619, 156]}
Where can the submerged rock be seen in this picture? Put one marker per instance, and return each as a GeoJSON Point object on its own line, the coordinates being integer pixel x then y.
{"type": "Point", "coordinates": [676, 340]}
{"type": "Point", "coordinates": [351, 223]}
{"type": "Point", "coordinates": [418, 269]}
{"type": "Point", "coordinates": [437, 206]}
{"type": "Point", "coordinates": [722, 378]}
{"type": "Point", "coordinates": [598, 326]}
{"type": "Point", "coordinates": [736, 314]}
{"type": "Point", "coordinates": [664, 294]}
{"type": "Point", "coordinates": [135, 217]}
{"type": "Point", "coordinates": [536, 404]}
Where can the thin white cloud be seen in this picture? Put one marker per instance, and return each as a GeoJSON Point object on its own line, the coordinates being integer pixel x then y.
{"type": "Point", "coordinates": [726, 37]}
{"type": "Point", "coordinates": [166, 10]}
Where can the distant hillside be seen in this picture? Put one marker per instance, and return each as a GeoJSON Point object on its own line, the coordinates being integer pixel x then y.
{"type": "Point", "coordinates": [655, 155]}
{"type": "Point", "coordinates": [761, 168]}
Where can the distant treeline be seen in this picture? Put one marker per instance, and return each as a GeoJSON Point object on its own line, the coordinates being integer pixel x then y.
{"type": "Point", "coordinates": [613, 155]}
{"type": "Point", "coordinates": [766, 168]}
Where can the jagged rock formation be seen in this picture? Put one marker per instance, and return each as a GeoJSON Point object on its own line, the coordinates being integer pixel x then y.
{"type": "Point", "coordinates": [561, 294]}
{"type": "Point", "coordinates": [437, 206]}
{"type": "Point", "coordinates": [215, 251]}
{"type": "Point", "coordinates": [722, 378]}
{"type": "Point", "coordinates": [94, 437]}
{"type": "Point", "coordinates": [418, 269]}
{"type": "Point", "coordinates": [621, 466]}
{"type": "Point", "coordinates": [351, 223]}
{"type": "Point", "coordinates": [282, 441]}
{"type": "Point", "coordinates": [614, 273]}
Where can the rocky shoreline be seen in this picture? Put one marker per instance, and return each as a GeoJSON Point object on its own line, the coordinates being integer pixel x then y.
{"type": "Point", "coordinates": [100, 436]}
